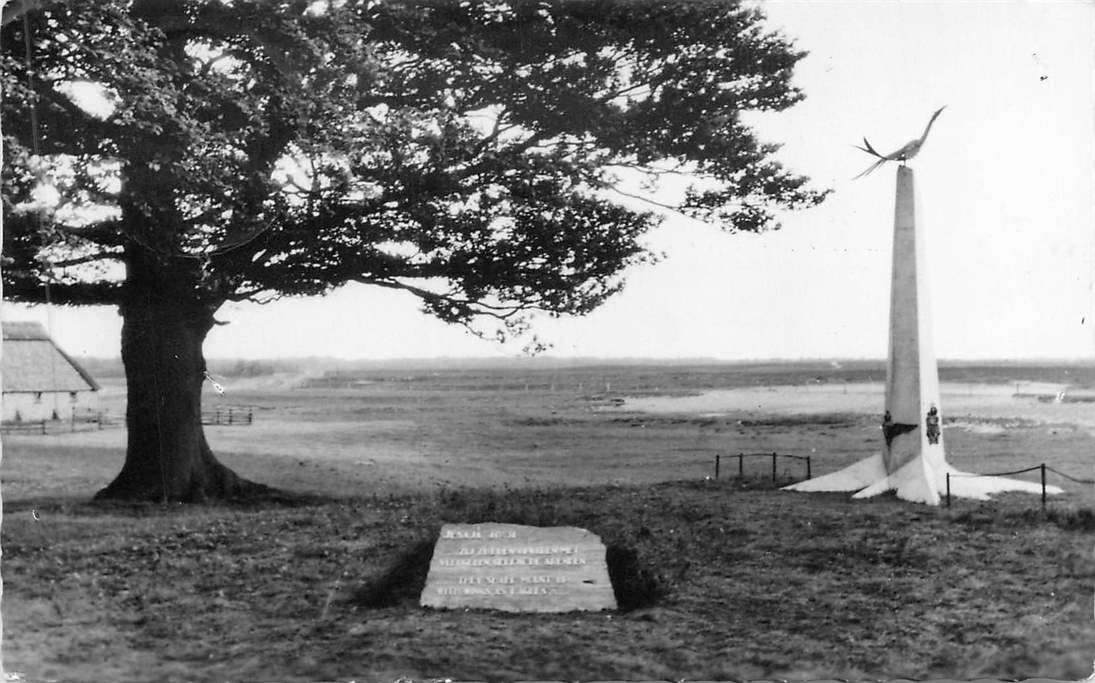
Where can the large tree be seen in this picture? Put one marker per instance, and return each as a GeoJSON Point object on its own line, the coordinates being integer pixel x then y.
{"type": "Point", "coordinates": [169, 157]}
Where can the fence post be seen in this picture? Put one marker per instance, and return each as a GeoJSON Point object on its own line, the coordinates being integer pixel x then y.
{"type": "Point", "coordinates": [1043, 468]}
{"type": "Point", "coordinates": [741, 466]}
{"type": "Point", "coordinates": [218, 417]}
{"type": "Point", "coordinates": [43, 427]}
{"type": "Point", "coordinates": [250, 417]}
{"type": "Point", "coordinates": [717, 457]}
{"type": "Point", "coordinates": [948, 489]}
{"type": "Point", "coordinates": [773, 467]}
{"type": "Point", "coordinates": [229, 416]}
{"type": "Point", "coordinates": [808, 475]}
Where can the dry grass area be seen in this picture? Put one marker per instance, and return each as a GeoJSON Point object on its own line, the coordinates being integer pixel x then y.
{"type": "Point", "coordinates": [725, 579]}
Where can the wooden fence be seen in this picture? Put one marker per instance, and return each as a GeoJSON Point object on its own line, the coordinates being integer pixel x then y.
{"type": "Point", "coordinates": [774, 456]}
{"type": "Point", "coordinates": [229, 415]}
{"type": "Point", "coordinates": [78, 422]}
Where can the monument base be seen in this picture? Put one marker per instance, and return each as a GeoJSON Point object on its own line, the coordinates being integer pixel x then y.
{"type": "Point", "coordinates": [921, 480]}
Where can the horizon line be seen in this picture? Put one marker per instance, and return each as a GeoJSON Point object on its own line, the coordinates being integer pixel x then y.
{"type": "Point", "coordinates": [625, 359]}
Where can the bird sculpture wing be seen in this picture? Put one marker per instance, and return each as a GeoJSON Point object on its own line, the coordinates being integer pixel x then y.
{"type": "Point", "coordinates": [872, 167]}
{"type": "Point", "coordinates": [868, 149]}
{"type": "Point", "coordinates": [871, 150]}
{"type": "Point", "coordinates": [907, 151]}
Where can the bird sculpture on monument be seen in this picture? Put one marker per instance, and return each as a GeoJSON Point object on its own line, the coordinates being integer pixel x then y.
{"type": "Point", "coordinates": [907, 152]}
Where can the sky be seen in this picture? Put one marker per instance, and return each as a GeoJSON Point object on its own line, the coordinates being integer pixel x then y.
{"type": "Point", "coordinates": [1005, 185]}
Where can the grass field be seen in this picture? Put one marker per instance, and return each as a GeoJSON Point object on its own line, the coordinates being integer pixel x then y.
{"type": "Point", "coordinates": [722, 579]}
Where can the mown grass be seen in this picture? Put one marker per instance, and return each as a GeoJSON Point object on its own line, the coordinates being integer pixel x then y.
{"type": "Point", "coordinates": [728, 580]}
{"type": "Point", "coordinates": [720, 580]}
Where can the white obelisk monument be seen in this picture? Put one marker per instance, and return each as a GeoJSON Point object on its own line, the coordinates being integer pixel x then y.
{"type": "Point", "coordinates": [913, 462]}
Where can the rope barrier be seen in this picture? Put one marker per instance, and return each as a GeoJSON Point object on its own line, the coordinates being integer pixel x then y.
{"type": "Point", "coordinates": [1029, 469]}
{"type": "Point", "coordinates": [1070, 477]}
{"type": "Point", "coordinates": [1042, 469]}
{"type": "Point", "coordinates": [994, 474]}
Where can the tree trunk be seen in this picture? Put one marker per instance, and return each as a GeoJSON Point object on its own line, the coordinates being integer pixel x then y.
{"type": "Point", "coordinates": [167, 456]}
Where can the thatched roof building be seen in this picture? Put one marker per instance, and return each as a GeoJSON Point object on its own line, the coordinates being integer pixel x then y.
{"type": "Point", "coordinates": [37, 375]}
{"type": "Point", "coordinates": [33, 363]}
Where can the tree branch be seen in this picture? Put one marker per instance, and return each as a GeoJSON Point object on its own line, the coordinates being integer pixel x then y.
{"type": "Point", "coordinates": [107, 233]}
{"type": "Point", "coordinates": [499, 312]}
{"type": "Point", "coordinates": [90, 258]}
{"type": "Point", "coordinates": [78, 294]}
{"type": "Point", "coordinates": [650, 201]}
{"type": "Point", "coordinates": [651, 170]}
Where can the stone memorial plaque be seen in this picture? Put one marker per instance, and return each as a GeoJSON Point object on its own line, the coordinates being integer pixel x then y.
{"type": "Point", "coordinates": [517, 568]}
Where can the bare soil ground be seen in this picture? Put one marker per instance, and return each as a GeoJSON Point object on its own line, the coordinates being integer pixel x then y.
{"type": "Point", "coordinates": [731, 579]}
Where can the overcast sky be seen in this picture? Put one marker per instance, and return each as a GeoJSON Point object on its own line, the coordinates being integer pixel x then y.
{"type": "Point", "coordinates": [1006, 185]}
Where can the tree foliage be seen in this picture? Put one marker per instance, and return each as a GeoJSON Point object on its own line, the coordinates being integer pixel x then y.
{"type": "Point", "coordinates": [462, 151]}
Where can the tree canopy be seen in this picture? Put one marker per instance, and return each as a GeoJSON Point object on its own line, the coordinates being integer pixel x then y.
{"type": "Point", "coordinates": [462, 151]}
{"type": "Point", "coordinates": [169, 156]}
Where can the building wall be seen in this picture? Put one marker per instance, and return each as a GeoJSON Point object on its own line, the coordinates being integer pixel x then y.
{"type": "Point", "coordinates": [32, 407]}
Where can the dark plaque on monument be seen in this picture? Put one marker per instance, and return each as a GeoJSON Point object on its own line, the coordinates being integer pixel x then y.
{"type": "Point", "coordinates": [517, 568]}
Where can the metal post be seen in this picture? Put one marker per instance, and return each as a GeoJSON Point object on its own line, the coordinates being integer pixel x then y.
{"type": "Point", "coordinates": [43, 427]}
{"type": "Point", "coordinates": [741, 465]}
{"type": "Point", "coordinates": [948, 489]}
{"type": "Point", "coordinates": [808, 475]}
{"type": "Point", "coordinates": [773, 467]}
{"type": "Point", "coordinates": [1043, 468]}
{"type": "Point", "coordinates": [229, 416]}
{"type": "Point", "coordinates": [717, 457]}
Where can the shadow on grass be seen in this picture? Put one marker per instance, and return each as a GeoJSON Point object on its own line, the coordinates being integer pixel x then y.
{"type": "Point", "coordinates": [402, 582]}
{"type": "Point", "coordinates": [635, 586]}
